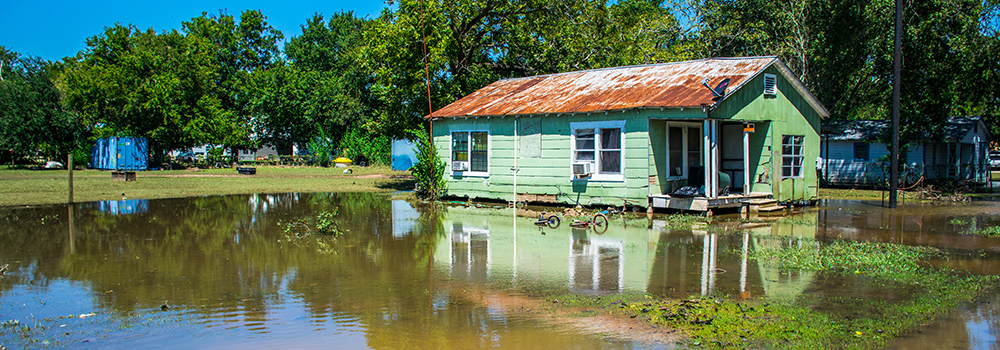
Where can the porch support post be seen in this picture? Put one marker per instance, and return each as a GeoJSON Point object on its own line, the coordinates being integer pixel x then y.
{"type": "Point", "coordinates": [706, 156]}
{"type": "Point", "coordinates": [958, 161]}
{"type": "Point", "coordinates": [746, 163]}
{"type": "Point", "coordinates": [715, 158]}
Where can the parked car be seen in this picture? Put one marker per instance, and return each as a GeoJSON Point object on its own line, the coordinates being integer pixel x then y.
{"type": "Point", "coordinates": [53, 165]}
{"type": "Point", "coordinates": [995, 161]}
{"type": "Point", "coordinates": [186, 157]}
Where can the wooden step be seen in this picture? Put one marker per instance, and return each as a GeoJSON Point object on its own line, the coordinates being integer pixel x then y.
{"type": "Point", "coordinates": [771, 208]}
{"type": "Point", "coordinates": [762, 201]}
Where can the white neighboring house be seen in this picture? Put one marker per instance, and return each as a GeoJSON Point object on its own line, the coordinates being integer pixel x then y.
{"type": "Point", "coordinates": [243, 154]}
{"type": "Point", "coordinates": [851, 155]}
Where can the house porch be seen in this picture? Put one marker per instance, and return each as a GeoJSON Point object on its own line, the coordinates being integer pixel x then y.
{"type": "Point", "coordinates": [703, 204]}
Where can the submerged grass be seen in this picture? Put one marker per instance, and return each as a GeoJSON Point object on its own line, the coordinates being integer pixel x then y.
{"type": "Point", "coordinates": [847, 193]}
{"type": "Point", "coordinates": [989, 231]}
{"type": "Point", "coordinates": [811, 321]}
{"type": "Point", "coordinates": [883, 259]}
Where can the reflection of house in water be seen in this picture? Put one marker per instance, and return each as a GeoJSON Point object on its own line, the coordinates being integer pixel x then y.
{"type": "Point", "coordinates": [493, 246]}
{"type": "Point", "coordinates": [470, 252]}
{"type": "Point", "coordinates": [799, 235]}
{"type": "Point", "coordinates": [595, 263]}
{"type": "Point", "coordinates": [404, 218]}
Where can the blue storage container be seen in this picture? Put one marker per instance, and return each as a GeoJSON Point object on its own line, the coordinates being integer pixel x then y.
{"type": "Point", "coordinates": [124, 207]}
{"type": "Point", "coordinates": [404, 155]}
{"type": "Point", "coordinates": [120, 153]}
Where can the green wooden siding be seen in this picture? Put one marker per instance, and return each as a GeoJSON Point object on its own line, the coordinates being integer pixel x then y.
{"type": "Point", "coordinates": [549, 174]}
{"type": "Point", "coordinates": [788, 113]}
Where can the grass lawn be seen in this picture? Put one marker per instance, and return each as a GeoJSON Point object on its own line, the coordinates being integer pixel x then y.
{"type": "Point", "coordinates": [33, 187]}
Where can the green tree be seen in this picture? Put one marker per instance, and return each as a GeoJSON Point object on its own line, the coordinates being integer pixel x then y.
{"type": "Point", "coordinates": [238, 49]}
{"type": "Point", "coordinates": [160, 86]}
{"type": "Point", "coordinates": [32, 117]}
{"type": "Point", "coordinates": [470, 44]}
{"type": "Point", "coordinates": [842, 51]}
{"type": "Point", "coordinates": [321, 89]}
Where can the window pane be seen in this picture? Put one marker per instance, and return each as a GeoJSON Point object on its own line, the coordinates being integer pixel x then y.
{"type": "Point", "coordinates": [792, 155]}
{"type": "Point", "coordinates": [479, 161]}
{"type": "Point", "coordinates": [585, 156]}
{"type": "Point", "coordinates": [460, 146]}
{"type": "Point", "coordinates": [694, 147]}
{"type": "Point", "coordinates": [479, 141]}
{"type": "Point", "coordinates": [611, 162]}
{"type": "Point", "coordinates": [861, 151]}
{"type": "Point", "coordinates": [585, 139]}
{"type": "Point", "coordinates": [611, 138]}
{"type": "Point", "coordinates": [676, 154]}
{"type": "Point", "coordinates": [479, 152]}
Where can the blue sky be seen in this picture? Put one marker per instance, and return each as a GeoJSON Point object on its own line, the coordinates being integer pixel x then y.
{"type": "Point", "coordinates": [53, 29]}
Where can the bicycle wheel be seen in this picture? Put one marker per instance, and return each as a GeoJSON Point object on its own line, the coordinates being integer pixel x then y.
{"type": "Point", "coordinates": [553, 221]}
{"type": "Point", "coordinates": [600, 223]}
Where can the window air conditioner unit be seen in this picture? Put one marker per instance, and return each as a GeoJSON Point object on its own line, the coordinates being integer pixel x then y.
{"type": "Point", "coordinates": [459, 166]}
{"type": "Point", "coordinates": [582, 169]}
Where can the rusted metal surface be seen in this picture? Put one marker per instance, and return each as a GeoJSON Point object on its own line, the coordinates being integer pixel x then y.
{"type": "Point", "coordinates": [676, 84]}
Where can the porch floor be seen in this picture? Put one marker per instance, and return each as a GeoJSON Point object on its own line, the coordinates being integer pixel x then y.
{"type": "Point", "coordinates": [665, 201]}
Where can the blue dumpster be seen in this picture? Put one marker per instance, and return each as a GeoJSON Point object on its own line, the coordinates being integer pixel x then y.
{"type": "Point", "coordinates": [120, 153]}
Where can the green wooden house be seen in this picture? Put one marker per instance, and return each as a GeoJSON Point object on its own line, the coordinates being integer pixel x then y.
{"type": "Point", "coordinates": [694, 135]}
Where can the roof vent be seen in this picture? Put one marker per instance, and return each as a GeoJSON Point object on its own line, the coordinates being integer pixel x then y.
{"type": "Point", "coordinates": [770, 84]}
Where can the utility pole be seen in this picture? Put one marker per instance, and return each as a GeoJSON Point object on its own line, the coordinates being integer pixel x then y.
{"type": "Point", "coordinates": [427, 82]}
{"type": "Point", "coordinates": [896, 77]}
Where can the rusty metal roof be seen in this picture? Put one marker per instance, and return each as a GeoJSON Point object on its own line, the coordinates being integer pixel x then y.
{"type": "Point", "coordinates": [677, 84]}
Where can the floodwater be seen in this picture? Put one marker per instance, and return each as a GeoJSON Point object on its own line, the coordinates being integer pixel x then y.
{"type": "Point", "coordinates": [233, 272]}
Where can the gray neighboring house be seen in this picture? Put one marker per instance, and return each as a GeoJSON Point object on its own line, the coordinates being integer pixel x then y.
{"type": "Point", "coordinates": [850, 154]}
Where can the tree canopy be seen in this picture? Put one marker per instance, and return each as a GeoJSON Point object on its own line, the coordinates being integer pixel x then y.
{"type": "Point", "coordinates": [234, 80]}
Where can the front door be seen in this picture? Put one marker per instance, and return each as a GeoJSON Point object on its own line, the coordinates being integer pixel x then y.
{"type": "Point", "coordinates": [684, 153]}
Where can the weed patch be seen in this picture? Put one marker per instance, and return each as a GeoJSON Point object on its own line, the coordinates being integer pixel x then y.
{"type": "Point", "coordinates": [815, 321]}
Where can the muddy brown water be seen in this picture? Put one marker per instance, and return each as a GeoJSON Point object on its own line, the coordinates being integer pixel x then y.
{"type": "Point", "coordinates": [230, 272]}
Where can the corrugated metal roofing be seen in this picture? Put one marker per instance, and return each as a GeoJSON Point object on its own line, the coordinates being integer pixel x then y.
{"type": "Point", "coordinates": [857, 130]}
{"type": "Point", "coordinates": [868, 130]}
{"type": "Point", "coordinates": [677, 84]}
{"type": "Point", "coordinates": [958, 127]}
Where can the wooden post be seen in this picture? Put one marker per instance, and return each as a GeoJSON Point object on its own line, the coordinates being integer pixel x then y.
{"type": "Point", "coordinates": [69, 166]}
{"type": "Point", "coordinates": [707, 154]}
{"type": "Point", "coordinates": [746, 161]}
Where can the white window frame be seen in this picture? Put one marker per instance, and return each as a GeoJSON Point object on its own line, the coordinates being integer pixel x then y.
{"type": "Point", "coordinates": [598, 175]}
{"type": "Point", "coordinates": [793, 156]}
{"type": "Point", "coordinates": [685, 153]}
{"type": "Point", "coordinates": [451, 153]}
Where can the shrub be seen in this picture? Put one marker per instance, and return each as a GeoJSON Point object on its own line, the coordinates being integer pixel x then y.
{"type": "Point", "coordinates": [429, 170]}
